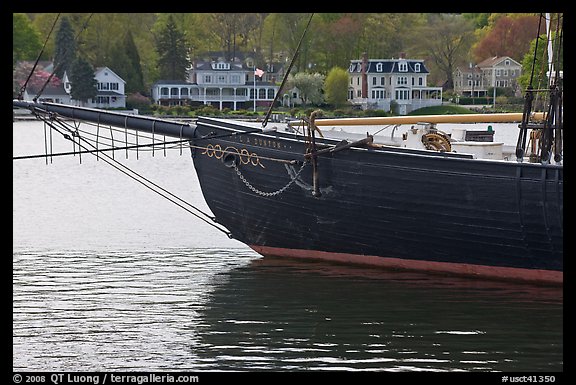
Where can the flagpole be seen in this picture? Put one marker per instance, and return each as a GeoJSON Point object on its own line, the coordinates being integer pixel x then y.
{"type": "Point", "coordinates": [254, 73]}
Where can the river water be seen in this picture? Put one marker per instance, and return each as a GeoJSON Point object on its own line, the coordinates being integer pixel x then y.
{"type": "Point", "coordinates": [108, 276]}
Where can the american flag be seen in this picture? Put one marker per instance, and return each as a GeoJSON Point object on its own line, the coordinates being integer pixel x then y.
{"type": "Point", "coordinates": [258, 72]}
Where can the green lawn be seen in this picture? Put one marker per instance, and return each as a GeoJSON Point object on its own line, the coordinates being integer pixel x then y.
{"type": "Point", "coordinates": [441, 110]}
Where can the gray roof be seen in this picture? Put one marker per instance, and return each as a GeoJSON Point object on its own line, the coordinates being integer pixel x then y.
{"type": "Point", "coordinates": [388, 66]}
{"type": "Point", "coordinates": [207, 66]}
{"type": "Point", "coordinates": [171, 82]}
{"type": "Point", "coordinates": [48, 90]}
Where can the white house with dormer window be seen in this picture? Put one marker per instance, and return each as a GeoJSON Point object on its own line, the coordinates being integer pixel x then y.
{"type": "Point", "coordinates": [110, 88]}
{"type": "Point", "coordinates": [376, 83]}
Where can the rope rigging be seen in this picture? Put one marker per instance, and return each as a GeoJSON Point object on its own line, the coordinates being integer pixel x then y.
{"type": "Point", "coordinates": [71, 133]}
{"type": "Point", "coordinates": [86, 141]}
{"type": "Point", "coordinates": [550, 138]}
{"type": "Point", "coordinates": [23, 88]}
{"type": "Point", "coordinates": [134, 145]}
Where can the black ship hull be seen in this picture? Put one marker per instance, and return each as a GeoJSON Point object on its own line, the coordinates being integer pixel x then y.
{"type": "Point", "coordinates": [360, 203]}
{"type": "Point", "coordinates": [390, 207]}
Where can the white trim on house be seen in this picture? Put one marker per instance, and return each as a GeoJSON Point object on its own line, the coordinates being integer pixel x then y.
{"type": "Point", "coordinates": [220, 83]}
{"type": "Point", "coordinates": [379, 83]}
{"type": "Point", "coordinates": [111, 91]}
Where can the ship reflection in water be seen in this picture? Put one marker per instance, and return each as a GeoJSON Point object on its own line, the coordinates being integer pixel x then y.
{"type": "Point", "coordinates": [290, 315]}
{"type": "Point", "coordinates": [232, 310]}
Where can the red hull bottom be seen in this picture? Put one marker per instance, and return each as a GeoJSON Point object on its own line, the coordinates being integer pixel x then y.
{"type": "Point", "coordinates": [492, 272]}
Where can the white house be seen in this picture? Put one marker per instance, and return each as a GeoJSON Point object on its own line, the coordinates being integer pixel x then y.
{"type": "Point", "coordinates": [376, 83]}
{"type": "Point", "coordinates": [110, 89]}
{"type": "Point", "coordinates": [222, 83]}
{"type": "Point", "coordinates": [49, 94]}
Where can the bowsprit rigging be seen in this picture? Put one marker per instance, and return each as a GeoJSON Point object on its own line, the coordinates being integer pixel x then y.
{"type": "Point", "coordinates": [86, 141]}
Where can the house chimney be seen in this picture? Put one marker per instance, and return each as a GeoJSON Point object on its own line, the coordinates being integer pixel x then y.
{"type": "Point", "coordinates": [402, 55]}
{"type": "Point", "coordinates": [364, 75]}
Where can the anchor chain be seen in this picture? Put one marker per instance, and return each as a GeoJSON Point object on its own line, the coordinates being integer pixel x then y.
{"type": "Point", "coordinates": [264, 193]}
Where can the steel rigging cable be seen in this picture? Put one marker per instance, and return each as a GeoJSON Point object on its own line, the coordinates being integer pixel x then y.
{"type": "Point", "coordinates": [70, 134]}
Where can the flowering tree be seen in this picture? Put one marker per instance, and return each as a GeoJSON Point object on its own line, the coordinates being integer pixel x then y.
{"type": "Point", "coordinates": [37, 80]}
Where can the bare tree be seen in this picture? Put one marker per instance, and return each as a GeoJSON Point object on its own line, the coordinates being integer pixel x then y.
{"type": "Point", "coordinates": [445, 40]}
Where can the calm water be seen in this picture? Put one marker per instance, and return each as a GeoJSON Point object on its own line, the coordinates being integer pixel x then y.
{"type": "Point", "coordinates": [108, 275]}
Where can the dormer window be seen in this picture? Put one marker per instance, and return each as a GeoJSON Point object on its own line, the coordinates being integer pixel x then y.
{"type": "Point", "coordinates": [220, 66]}
{"type": "Point", "coordinates": [402, 66]}
{"type": "Point", "coordinates": [417, 67]}
{"type": "Point", "coordinates": [379, 67]}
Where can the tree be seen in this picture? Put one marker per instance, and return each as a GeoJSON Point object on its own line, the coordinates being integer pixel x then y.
{"type": "Point", "coordinates": [125, 61]}
{"type": "Point", "coordinates": [332, 40]}
{"type": "Point", "coordinates": [385, 35]}
{"type": "Point", "coordinates": [26, 43]}
{"type": "Point", "coordinates": [446, 39]}
{"type": "Point", "coordinates": [289, 30]}
{"type": "Point", "coordinates": [173, 59]}
{"type": "Point", "coordinates": [309, 85]}
{"type": "Point", "coordinates": [65, 51]}
{"type": "Point", "coordinates": [83, 83]}
{"type": "Point", "coordinates": [135, 82]}
{"type": "Point", "coordinates": [480, 20]}
{"type": "Point", "coordinates": [338, 39]}
{"type": "Point", "coordinates": [539, 61]}
{"type": "Point", "coordinates": [235, 30]}
{"type": "Point", "coordinates": [36, 81]}
{"type": "Point", "coordinates": [336, 86]}
{"type": "Point", "coordinates": [509, 36]}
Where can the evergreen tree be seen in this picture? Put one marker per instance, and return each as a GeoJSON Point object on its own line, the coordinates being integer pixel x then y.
{"type": "Point", "coordinates": [84, 85]}
{"type": "Point", "coordinates": [65, 51]}
{"type": "Point", "coordinates": [135, 81]}
{"type": "Point", "coordinates": [172, 53]}
{"type": "Point", "coordinates": [125, 61]}
{"type": "Point", "coordinates": [120, 64]}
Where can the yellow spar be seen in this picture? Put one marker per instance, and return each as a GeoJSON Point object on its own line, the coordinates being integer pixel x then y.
{"type": "Point", "coordinates": [455, 118]}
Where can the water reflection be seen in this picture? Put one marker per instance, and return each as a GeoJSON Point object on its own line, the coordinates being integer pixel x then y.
{"type": "Point", "coordinates": [290, 315]}
{"type": "Point", "coordinates": [231, 310]}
